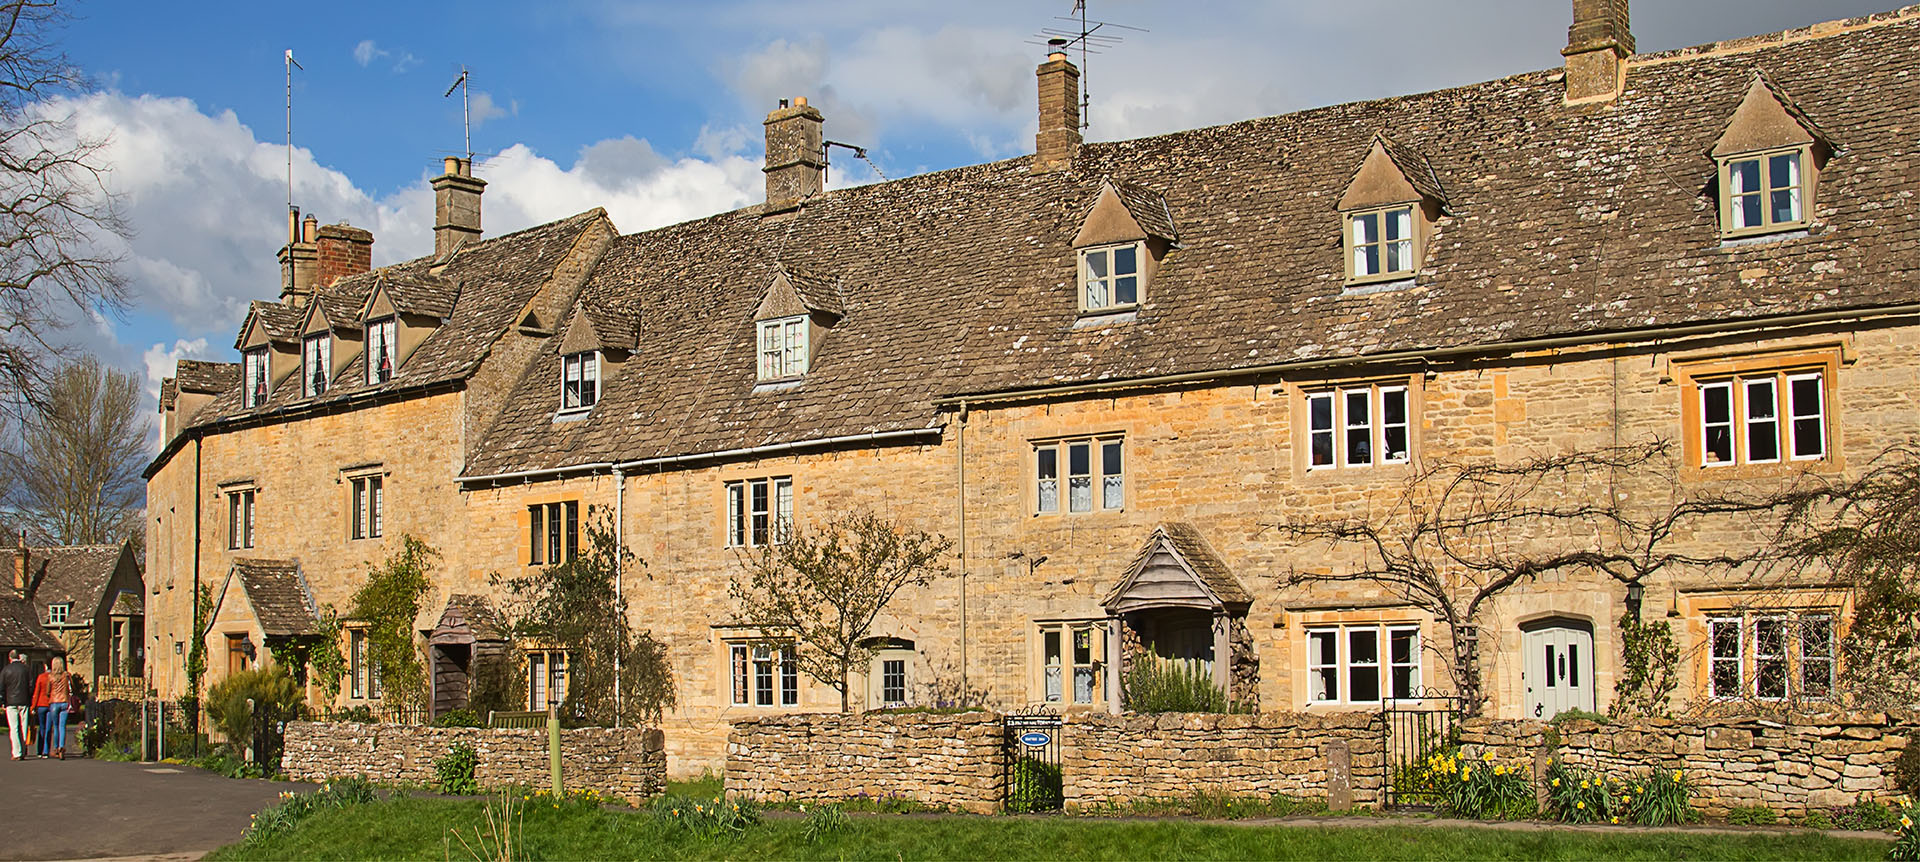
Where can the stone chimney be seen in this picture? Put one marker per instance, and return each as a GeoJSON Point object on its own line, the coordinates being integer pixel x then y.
{"type": "Point", "coordinates": [343, 250]}
{"type": "Point", "coordinates": [1598, 45]}
{"type": "Point", "coordinates": [20, 565]}
{"type": "Point", "coordinates": [299, 260]}
{"type": "Point", "coordinates": [796, 164]}
{"type": "Point", "coordinates": [1059, 138]}
{"type": "Point", "coordinates": [456, 206]}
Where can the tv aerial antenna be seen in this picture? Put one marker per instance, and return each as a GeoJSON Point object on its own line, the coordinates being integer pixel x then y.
{"type": "Point", "coordinates": [292, 64]}
{"type": "Point", "coordinates": [1091, 37]}
{"type": "Point", "coordinates": [466, 116]}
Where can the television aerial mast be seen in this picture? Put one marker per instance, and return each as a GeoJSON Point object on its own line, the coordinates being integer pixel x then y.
{"type": "Point", "coordinates": [1091, 37]}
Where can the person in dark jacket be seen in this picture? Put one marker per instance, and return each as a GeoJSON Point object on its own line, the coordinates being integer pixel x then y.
{"type": "Point", "coordinates": [16, 693]}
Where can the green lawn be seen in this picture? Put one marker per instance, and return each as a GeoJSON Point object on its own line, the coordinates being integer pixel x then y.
{"type": "Point", "coordinates": [418, 828]}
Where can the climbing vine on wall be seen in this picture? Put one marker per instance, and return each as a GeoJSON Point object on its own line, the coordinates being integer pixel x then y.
{"type": "Point", "coordinates": [1648, 669]}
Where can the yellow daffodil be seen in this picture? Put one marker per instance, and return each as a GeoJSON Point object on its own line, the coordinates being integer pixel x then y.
{"type": "Point", "coordinates": [1676, 775]}
{"type": "Point", "coordinates": [1906, 822]}
{"type": "Point", "coordinates": [1636, 789]}
{"type": "Point", "coordinates": [1466, 774]}
{"type": "Point", "coordinates": [1556, 782]}
{"type": "Point", "coordinates": [1500, 770]}
{"type": "Point", "coordinates": [1580, 805]}
{"type": "Point", "coordinates": [1616, 820]}
{"type": "Point", "coordinates": [1583, 784]}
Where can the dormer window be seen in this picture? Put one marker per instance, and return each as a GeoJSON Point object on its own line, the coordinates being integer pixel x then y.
{"type": "Point", "coordinates": [255, 377]}
{"type": "Point", "coordinates": [383, 355]}
{"type": "Point", "coordinates": [316, 364]}
{"type": "Point", "coordinates": [579, 380]}
{"type": "Point", "coordinates": [58, 613]}
{"type": "Point", "coordinates": [1110, 277]}
{"type": "Point", "coordinates": [783, 348]}
{"type": "Point", "coordinates": [1765, 191]}
{"type": "Point", "coordinates": [1380, 243]}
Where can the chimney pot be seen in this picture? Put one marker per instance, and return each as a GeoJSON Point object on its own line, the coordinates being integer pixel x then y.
{"type": "Point", "coordinates": [796, 168]}
{"type": "Point", "coordinates": [799, 101]}
{"type": "Point", "coordinates": [308, 227]}
{"type": "Point", "coordinates": [1058, 140]}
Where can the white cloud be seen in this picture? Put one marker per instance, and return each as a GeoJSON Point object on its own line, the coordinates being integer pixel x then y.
{"type": "Point", "coordinates": [482, 107]}
{"type": "Point", "coordinates": [160, 359]}
{"type": "Point", "coordinates": [366, 52]}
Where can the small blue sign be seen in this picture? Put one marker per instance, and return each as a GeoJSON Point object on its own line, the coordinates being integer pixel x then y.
{"type": "Point", "coordinates": [1035, 738]}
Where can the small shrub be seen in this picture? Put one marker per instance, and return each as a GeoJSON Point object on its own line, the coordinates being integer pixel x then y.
{"type": "Point", "coordinates": [1906, 770]}
{"type": "Point", "coordinates": [1752, 815]}
{"type": "Point", "coordinates": [1154, 684]}
{"type": "Point", "coordinates": [824, 822]}
{"type": "Point", "coordinates": [459, 718]}
{"type": "Point", "coordinates": [362, 714]}
{"type": "Point", "coordinates": [453, 773]}
{"type": "Point", "coordinates": [270, 689]}
{"type": "Point", "coordinates": [1817, 819]}
{"type": "Point", "coordinates": [1866, 815]}
{"type": "Point", "coordinates": [1567, 715]}
{"type": "Point", "coordinates": [1035, 786]}
{"type": "Point", "coordinates": [1663, 801]}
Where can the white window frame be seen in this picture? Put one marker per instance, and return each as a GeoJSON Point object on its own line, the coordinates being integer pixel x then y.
{"type": "Point", "coordinates": [547, 676]}
{"type": "Point", "coordinates": [240, 518]}
{"type": "Point", "coordinates": [1384, 247]}
{"type": "Point", "coordinates": [368, 502]}
{"type": "Point", "coordinates": [255, 381]}
{"type": "Point", "coordinates": [1795, 427]}
{"type": "Point", "coordinates": [1794, 658]}
{"type": "Point", "coordinates": [1798, 190]}
{"type": "Point", "coordinates": [1101, 293]}
{"type": "Point", "coordinates": [1374, 425]}
{"type": "Point", "coordinates": [579, 381]}
{"type": "Point", "coordinates": [316, 364]}
{"type": "Point", "coordinates": [1104, 480]}
{"type": "Point", "coordinates": [1063, 669]}
{"type": "Point", "coordinates": [1345, 666]}
{"type": "Point", "coordinates": [381, 346]}
{"type": "Point", "coordinates": [759, 511]}
{"type": "Point", "coordinates": [58, 613]}
{"type": "Point", "coordinates": [782, 348]}
{"type": "Point", "coordinates": [763, 674]}
{"type": "Point", "coordinates": [363, 677]}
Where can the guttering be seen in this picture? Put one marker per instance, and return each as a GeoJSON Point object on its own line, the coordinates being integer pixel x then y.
{"type": "Point", "coordinates": [355, 401]}
{"type": "Point", "coordinates": [670, 460]}
{"type": "Point", "coordinates": [1427, 354]}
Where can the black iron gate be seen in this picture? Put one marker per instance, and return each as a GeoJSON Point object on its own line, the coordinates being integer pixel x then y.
{"type": "Point", "coordinates": [270, 734]}
{"type": "Point", "coordinates": [1032, 777]}
{"type": "Point", "coordinates": [1412, 730]}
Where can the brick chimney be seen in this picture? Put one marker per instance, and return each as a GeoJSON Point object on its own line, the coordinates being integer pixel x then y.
{"type": "Point", "coordinates": [20, 565]}
{"type": "Point", "coordinates": [299, 260]}
{"type": "Point", "coordinates": [456, 206]}
{"type": "Point", "coordinates": [1598, 45]}
{"type": "Point", "coordinates": [343, 250]}
{"type": "Point", "coordinates": [796, 164]}
{"type": "Point", "coordinates": [1059, 138]}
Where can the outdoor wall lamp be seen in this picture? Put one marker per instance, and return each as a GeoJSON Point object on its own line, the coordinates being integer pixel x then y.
{"type": "Point", "coordinates": [1635, 592]}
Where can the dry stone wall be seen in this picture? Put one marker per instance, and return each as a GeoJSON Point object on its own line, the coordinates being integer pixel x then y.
{"type": "Point", "coordinates": [629, 763]}
{"type": "Point", "coordinates": [1113, 759]}
{"type": "Point", "coordinates": [945, 760]}
{"type": "Point", "coordinates": [1790, 764]}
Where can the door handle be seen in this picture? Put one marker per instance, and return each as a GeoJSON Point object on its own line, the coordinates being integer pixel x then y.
{"type": "Point", "coordinates": [1539, 708]}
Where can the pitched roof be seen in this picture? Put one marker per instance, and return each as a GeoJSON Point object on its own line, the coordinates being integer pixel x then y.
{"type": "Point", "coordinates": [1566, 220]}
{"type": "Point", "coordinates": [210, 378]}
{"type": "Point", "coordinates": [1178, 562]}
{"type": "Point", "coordinates": [422, 293]}
{"type": "Point", "coordinates": [468, 614]}
{"type": "Point", "coordinates": [75, 574]}
{"type": "Point", "coordinates": [1414, 166]}
{"type": "Point", "coordinates": [1148, 208]}
{"type": "Point", "coordinates": [20, 625]}
{"type": "Point", "coordinates": [280, 321]}
{"type": "Point", "coordinates": [279, 596]}
{"type": "Point", "coordinates": [818, 292]}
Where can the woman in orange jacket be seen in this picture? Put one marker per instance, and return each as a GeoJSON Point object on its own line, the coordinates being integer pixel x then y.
{"type": "Point", "coordinates": [40, 703]}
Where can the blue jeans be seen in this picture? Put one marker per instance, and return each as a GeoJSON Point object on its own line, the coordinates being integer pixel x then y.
{"type": "Point", "coordinates": [40, 724]}
{"type": "Point", "coordinates": [57, 725]}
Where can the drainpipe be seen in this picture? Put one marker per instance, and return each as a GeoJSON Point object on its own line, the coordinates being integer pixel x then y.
{"type": "Point", "coordinates": [619, 596]}
{"type": "Point", "coordinates": [194, 599]}
{"type": "Point", "coordinates": [960, 464]}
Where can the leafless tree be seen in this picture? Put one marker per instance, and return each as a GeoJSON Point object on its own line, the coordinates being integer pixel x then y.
{"type": "Point", "coordinates": [824, 587]}
{"type": "Point", "coordinates": [54, 207]}
{"type": "Point", "coordinates": [75, 472]}
{"type": "Point", "coordinates": [1459, 535]}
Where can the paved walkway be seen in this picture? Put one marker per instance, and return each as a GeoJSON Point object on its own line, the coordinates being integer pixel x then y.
{"type": "Point", "coordinates": [84, 809]}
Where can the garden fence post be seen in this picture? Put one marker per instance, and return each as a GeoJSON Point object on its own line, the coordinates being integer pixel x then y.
{"type": "Point", "coordinates": [553, 745]}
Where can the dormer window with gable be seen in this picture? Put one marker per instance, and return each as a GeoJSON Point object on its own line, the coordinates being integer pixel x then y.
{"type": "Point", "coordinates": [1387, 213]}
{"type": "Point", "coordinates": [316, 364]}
{"type": "Point", "coordinates": [1122, 238]}
{"type": "Point", "coordinates": [254, 377]}
{"type": "Point", "coordinates": [579, 380]}
{"type": "Point", "coordinates": [794, 314]}
{"type": "Point", "coordinates": [1767, 159]}
{"type": "Point", "coordinates": [383, 354]}
{"type": "Point", "coordinates": [783, 348]}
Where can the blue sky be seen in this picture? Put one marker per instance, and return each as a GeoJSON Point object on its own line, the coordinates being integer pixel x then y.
{"type": "Point", "coordinates": [652, 109]}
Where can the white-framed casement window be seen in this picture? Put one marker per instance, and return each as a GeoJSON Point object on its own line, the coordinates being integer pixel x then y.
{"type": "Point", "coordinates": [1763, 418]}
{"type": "Point", "coordinates": [240, 518]}
{"type": "Point", "coordinates": [759, 511]}
{"type": "Point", "coordinates": [1363, 663]}
{"type": "Point", "coordinates": [363, 677]}
{"type": "Point", "coordinates": [893, 679]}
{"type": "Point", "coordinates": [369, 498]}
{"type": "Point", "coordinates": [1071, 657]}
{"type": "Point", "coordinates": [546, 678]}
{"type": "Point", "coordinates": [383, 355]}
{"type": "Point", "coordinates": [58, 612]}
{"type": "Point", "coordinates": [553, 534]}
{"type": "Point", "coordinates": [1358, 426]}
{"type": "Point", "coordinates": [1095, 474]}
{"type": "Point", "coordinates": [1110, 277]}
{"type": "Point", "coordinates": [254, 366]}
{"type": "Point", "coordinates": [1771, 655]}
{"type": "Point", "coordinates": [1764, 192]}
{"type": "Point", "coordinates": [764, 674]}
{"type": "Point", "coordinates": [579, 380]}
{"type": "Point", "coordinates": [316, 364]}
{"type": "Point", "coordinates": [1381, 243]}
{"type": "Point", "coordinates": [783, 347]}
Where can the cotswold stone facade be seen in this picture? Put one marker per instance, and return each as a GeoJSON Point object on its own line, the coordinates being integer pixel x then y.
{"type": "Point", "coordinates": [626, 763]}
{"type": "Point", "coordinates": [1109, 371]}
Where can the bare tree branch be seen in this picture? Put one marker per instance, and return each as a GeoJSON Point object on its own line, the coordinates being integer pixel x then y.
{"type": "Point", "coordinates": [75, 472]}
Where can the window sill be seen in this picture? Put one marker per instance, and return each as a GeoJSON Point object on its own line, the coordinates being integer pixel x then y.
{"type": "Point", "coordinates": [1400, 281]}
{"type": "Point", "coordinates": [781, 385]}
{"type": "Point", "coordinates": [1764, 236]}
{"type": "Point", "coordinates": [1767, 470]}
{"type": "Point", "coordinates": [1106, 317]}
{"type": "Point", "coordinates": [572, 415]}
{"type": "Point", "coordinates": [1070, 514]}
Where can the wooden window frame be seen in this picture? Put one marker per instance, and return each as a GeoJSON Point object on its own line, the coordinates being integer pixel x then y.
{"type": "Point", "coordinates": [316, 354]}
{"type": "Point", "coordinates": [1415, 240]}
{"type": "Point", "coordinates": [256, 379]}
{"type": "Point", "coordinates": [1794, 657]}
{"type": "Point", "coordinates": [553, 532]}
{"type": "Point", "coordinates": [1804, 188]}
{"type": "Point", "coordinates": [745, 508]}
{"type": "Point", "coordinates": [1384, 664]}
{"type": "Point", "coordinates": [547, 669]}
{"type": "Point", "coordinates": [1102, 482]}
{"type": "Point", "coordinates": [1070, 663]}
{"type": "Point", "coordinates": [782, 347]}
{"type": "Point", "coordinates": [762, 674]}
{"type": "Point", "coordinates": [241, 507]}
{"type": "Point", "coordinates": [1083, 264]}
{"type": "Point", "coordinates": [578, 370]}
{"type": "Point", "coordinates": [382, 350]}
{"type": "Point", "coordinates": [1787, 367]}
{"type": "Point", "coordinates": [367, 506]}
{"type": "Point", "coordinates": [1342, 426]}
{"type": "Point", "coordinates": [58, 613]}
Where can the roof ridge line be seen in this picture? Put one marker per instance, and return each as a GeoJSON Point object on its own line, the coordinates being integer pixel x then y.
{"type": "Point", "coordinates": [1749, 44]}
